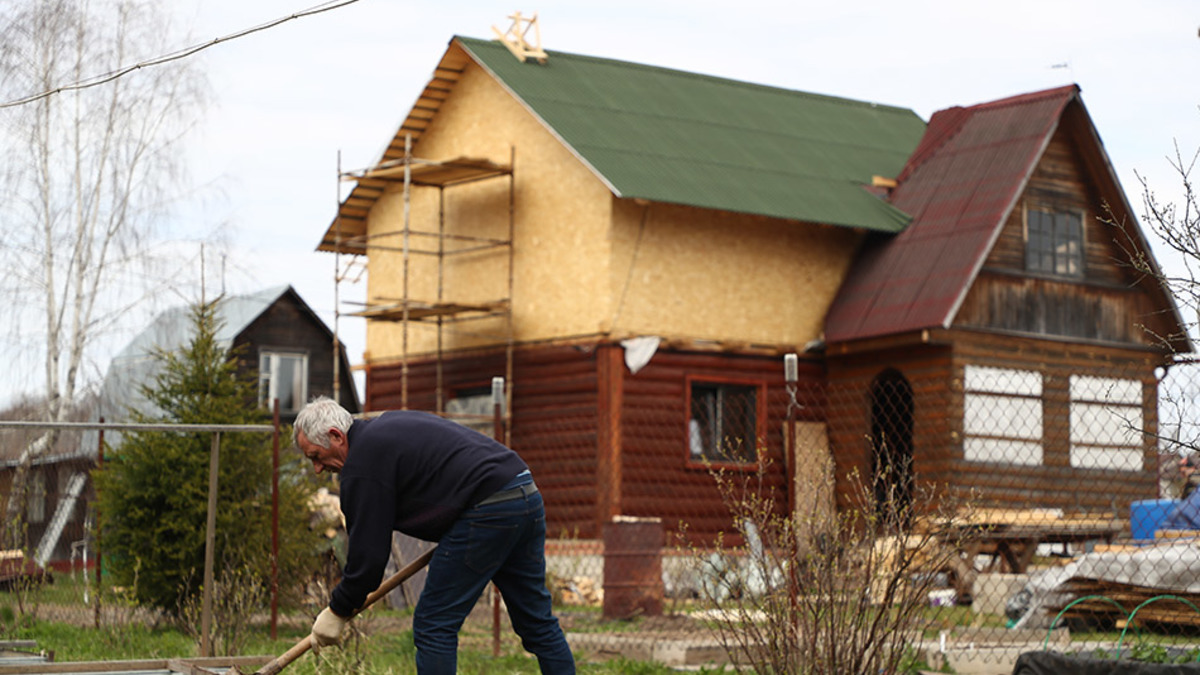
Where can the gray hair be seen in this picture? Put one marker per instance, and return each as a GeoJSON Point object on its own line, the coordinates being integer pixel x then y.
{"type": "Point", "coordinates": [316, 419]}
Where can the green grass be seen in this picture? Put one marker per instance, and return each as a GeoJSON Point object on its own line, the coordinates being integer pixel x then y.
{"type": "Point", "coordinates": [124, 643]}
{"type": "Point", "coordinates": [386, 652]}
{"type": "Point", "coordinates": [383, 654]}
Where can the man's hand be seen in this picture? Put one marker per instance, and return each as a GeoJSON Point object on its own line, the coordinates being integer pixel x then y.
{"type": "Point", "coordinates": [327, 629]}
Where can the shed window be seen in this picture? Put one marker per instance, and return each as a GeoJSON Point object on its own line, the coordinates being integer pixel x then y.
{"type": "Point", "coordinates": [283, 376]}
{"type": "Point", "coordinates": [1106, 423]}
{"type": "Point", "coordinates": [723, 422]}
{"type": "Point", "coordinates": [1054, 242]}
{"type": "Point", "coordinates": [1002, 415]}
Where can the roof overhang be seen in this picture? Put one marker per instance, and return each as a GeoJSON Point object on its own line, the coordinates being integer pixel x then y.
{"type": "Point", "coordinates": [347, 232]}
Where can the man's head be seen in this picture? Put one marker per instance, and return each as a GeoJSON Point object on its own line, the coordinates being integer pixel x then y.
{"type": "Point", "coordinates": [320, 431]}
{"type": "Point", "coordinates": [1189, 462]}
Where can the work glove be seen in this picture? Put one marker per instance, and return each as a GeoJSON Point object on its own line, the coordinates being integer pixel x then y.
{"type": "Point", "coordinates": [327, 629]}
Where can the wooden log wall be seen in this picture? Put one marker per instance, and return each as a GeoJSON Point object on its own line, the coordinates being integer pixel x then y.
{"type": "Point", "coordinates": [559, 425]}
{"type": "Point", "coordinates": [935, 372]}
{"type": "Point", "coordinates": [552, 423]}
{"type": "Point", "coordinates": [659, 479]}
{"type": "Point", "coordinates": [927, 369]}
{"type": "Point", "coordinates": [1056, 484]}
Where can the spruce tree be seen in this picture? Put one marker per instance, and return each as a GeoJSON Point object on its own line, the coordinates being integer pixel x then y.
{"type": "Point", "coordinates": [153, 488]}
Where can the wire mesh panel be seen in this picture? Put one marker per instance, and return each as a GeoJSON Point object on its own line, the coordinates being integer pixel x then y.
{"type": "Point", "coordinates": [721, 509]}
{"type": "Point", "coordinates": [1046, 502]}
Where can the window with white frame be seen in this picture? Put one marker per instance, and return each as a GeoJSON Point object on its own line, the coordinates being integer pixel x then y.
{"type": "Point", "coordinates": [1106, 423]}
{"type": "Point", "coordinates": [283, 376]}
{"type": "Point", "coordinates": [1002, 415]}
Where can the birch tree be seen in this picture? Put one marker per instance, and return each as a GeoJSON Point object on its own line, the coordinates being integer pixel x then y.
{"type": "Point", "coordinates": [89, 174]}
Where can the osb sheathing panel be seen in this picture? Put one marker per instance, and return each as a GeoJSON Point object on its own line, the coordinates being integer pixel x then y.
{"type": "Point", "coordinates": [734, 278]}
{"type": "Point", "coordinates": [584, 261]}
{"type": "Point", "coordinates": [561, 242]}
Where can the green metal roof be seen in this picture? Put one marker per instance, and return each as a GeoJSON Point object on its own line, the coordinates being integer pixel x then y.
{"type": "Point", "coordinates": [671, 136]}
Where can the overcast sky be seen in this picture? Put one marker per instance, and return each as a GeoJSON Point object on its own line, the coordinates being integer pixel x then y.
{"type": "Point", "coordinates": [289, 100]}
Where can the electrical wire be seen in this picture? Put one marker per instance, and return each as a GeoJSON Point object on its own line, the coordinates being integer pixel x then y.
{"type": "Point", "coordinates": [175, 56]}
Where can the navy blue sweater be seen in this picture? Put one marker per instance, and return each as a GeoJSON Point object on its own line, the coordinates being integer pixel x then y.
{"type": "Point", "coordinates": [416, 473]}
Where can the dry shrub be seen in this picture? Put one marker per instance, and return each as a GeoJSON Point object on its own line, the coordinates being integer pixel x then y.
{"type": "Point", "coordinates": [822, 590]}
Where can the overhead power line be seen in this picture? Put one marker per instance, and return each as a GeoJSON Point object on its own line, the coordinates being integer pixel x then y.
{"type": "Point", "coordinates": [175, 56]}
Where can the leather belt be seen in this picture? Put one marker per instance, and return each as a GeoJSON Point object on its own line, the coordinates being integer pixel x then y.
{"type": "Point", "coordinates": [510, 494]}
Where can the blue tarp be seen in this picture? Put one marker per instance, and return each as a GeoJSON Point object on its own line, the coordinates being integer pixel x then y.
{"type": "Point", "coordinates": [1185, 516]}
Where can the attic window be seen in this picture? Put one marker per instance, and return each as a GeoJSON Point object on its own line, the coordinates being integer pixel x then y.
{"type": "Point", "coordinates": [1054, 242]}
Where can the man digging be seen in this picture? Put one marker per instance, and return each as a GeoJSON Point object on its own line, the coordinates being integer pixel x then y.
{"type": "Point", "coordinates": [436, 480]}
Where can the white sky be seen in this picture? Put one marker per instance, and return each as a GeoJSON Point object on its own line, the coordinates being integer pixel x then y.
{"type": "Point", "coordinates": [289, 99]}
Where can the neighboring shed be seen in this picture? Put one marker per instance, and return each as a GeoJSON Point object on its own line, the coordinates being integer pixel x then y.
{"type": "Point", "coordinates": [1009, 298]}
{"type": "Point", "coordinates": [55, 482]}
{"type": "Point", "coordinates": [277, 338]}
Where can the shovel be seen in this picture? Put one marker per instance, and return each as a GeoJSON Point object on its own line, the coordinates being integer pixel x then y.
{"type": "Point", "coordinates": [388, 585]}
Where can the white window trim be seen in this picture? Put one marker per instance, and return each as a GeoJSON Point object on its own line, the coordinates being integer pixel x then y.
{"type": "Point", "coordinates": [268, 376]}
{"type": "Point", "coordinates": [1002, 416]}
{"type": "Point", "coordinates": [1106, 424]}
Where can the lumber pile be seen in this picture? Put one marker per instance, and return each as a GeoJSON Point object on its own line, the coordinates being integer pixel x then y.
{"type": "Point", "coordinates": [1093, 599]}
{"type": "Point", "coordinates": [1174, 600]}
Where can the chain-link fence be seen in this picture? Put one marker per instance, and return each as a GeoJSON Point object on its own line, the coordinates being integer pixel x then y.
{"type": "Point", "coordinates": [1058, 499]}
{"type": "Point", "coordinates": [1053, 504]}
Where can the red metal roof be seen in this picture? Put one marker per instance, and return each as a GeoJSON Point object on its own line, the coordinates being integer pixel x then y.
{"type": "Point", "coordinates": [959, 185]}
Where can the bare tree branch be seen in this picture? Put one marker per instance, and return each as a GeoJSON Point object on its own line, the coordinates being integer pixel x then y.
{"type": "Point", "coordinates": [90, 174]}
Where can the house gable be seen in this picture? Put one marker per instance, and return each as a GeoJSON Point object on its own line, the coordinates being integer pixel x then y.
{"type": "Point", "coordinates": [968, 186]}
{"type": "Point", "coordinates": [288, 326]}
{"type": "Point", "coordinates": [677, 137]}
{"type": "Point", "coordinates": [1106, 300]}
{"type": "Point", "coordinates": [589, 256]}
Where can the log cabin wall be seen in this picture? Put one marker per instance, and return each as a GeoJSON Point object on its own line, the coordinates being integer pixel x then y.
{"type": "Point", "coordinates": [1057, 481]}
{"type": "Point", "coordinates": [659, 475]}
{"type": "Point", "coordinates": [553, 422]}
{"type": "Point", "coordinates": [595, 452]}
{"type": "Point", "coordinates": [926, 367]}
{"type": "Point", "coordinates": [937, 375]}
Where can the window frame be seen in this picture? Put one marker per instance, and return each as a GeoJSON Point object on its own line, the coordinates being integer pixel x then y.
{"type": "Point", "coordinates": [1099, 435]}
{"type": "Point", "coordinates": [759, 388]}
{"type": "Point", "coordinates": [269, 377]}
{"type": "Point", "coordinates": [985, 440]}
{"type": "Point", "coordinates": [1055, 213]}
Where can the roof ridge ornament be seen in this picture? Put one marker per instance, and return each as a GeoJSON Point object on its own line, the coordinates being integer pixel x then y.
{"type": "Point", "coordinates": [516, 41]}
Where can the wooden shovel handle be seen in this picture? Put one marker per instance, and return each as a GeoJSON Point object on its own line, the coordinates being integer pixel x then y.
{"type": "Point", "coordinates": [388, 585]}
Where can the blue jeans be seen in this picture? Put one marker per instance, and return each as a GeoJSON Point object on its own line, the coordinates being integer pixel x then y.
{"type": "Point", "coordinates": [504, 543]}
